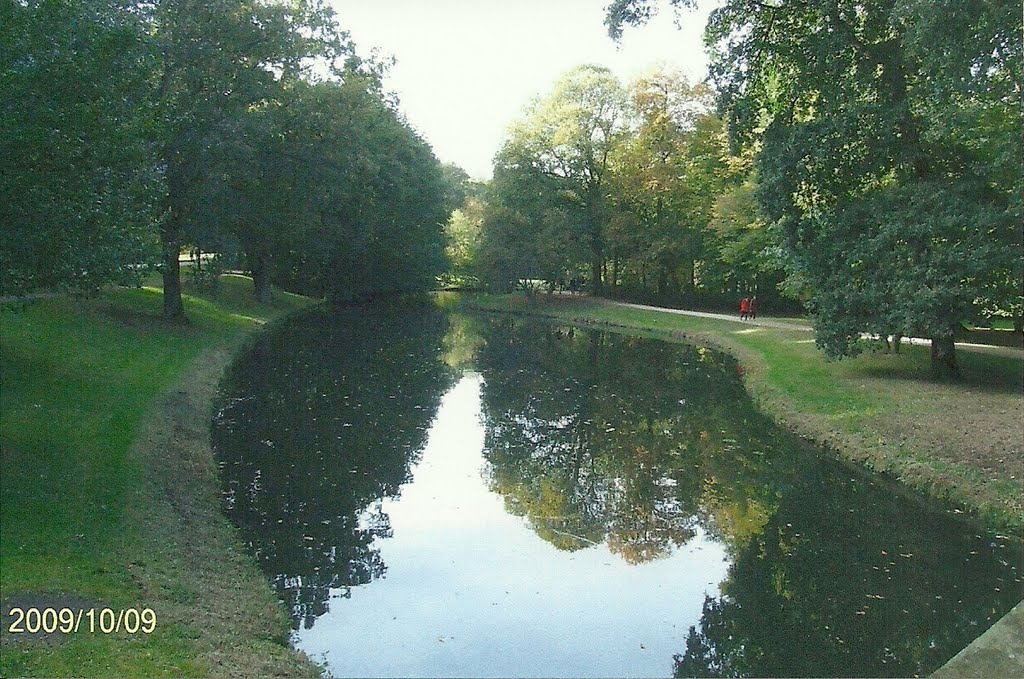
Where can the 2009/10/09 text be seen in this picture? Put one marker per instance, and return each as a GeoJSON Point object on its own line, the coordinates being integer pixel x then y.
{"type": "Point", "coordinates": [70, 620]}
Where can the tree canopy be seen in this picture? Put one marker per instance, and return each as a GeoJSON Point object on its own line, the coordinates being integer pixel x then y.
{"type": "Point", "coordinates": [618, 186]}
{"type": "Point", "coordinates": [242, 126]}
{"type": "Point", "coordinates": [78, 179]}
{"type": "Point", "coordinates": [882, 133]}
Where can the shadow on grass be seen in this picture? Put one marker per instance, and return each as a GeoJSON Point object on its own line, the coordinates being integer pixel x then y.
{"type": "Point", "coordinates": [979, 371]}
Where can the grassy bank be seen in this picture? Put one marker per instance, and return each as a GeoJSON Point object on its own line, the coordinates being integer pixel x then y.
{"type": "Point", "coordinates": [959, 442]}
{"type": "Point", "coordinates": [108, 491]}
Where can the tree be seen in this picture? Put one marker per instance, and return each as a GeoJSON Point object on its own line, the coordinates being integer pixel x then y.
{"type": "Point", "coordinates": [748, 258]}
{"type": "Point", "coordinates": [666, 174]}
{"type": "Point", "coordinates": [217, 59]}
{"type": "Point", "coordinates": [533, 226]}
{"type": "Point", "coordinates": [79, 182]}
{"type": "Point", "coordinates": [463, 240]}
{"type": "Point", "coordinates": [376, 193]}
{"type": "Point", "coordinates": [459, 185]}
{"type": "Point", "coordinates": [861, 109]}
{"type": "Point", "coordinates": [569, 136]}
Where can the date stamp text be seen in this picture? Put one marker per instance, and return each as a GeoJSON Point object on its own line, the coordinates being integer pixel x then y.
{"type": "Point", "coordinates": [73, 620]}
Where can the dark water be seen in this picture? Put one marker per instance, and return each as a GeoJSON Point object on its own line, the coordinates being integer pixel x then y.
{"type": "Point", "coordinates": [445, 495]}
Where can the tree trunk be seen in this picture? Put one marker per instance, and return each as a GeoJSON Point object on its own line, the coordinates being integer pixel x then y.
{"type": "Point", "coordinates": [944, 363]}
{"type": "Point", "coordinates": [170, 237]}
{"type": "Point", "coordinates": [261, 278]}
{"type": "Point", "coordinates": [673, 278]}
{"type": "Point", "coordinates": [170, 240]}
{"type": "Point", "coordinates": [691, 275]}
{"type": "Point", "coordinates": [596, 243]}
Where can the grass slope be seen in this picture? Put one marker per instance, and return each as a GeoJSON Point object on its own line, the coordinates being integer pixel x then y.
{"type": "Point", "coordinates": [87, 516]}
{"type": "Point", "coordinates": [956, 441]}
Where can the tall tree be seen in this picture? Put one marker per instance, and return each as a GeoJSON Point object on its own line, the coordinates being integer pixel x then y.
{"type": "Point", "coordinates": [569, 136]}
{"type": "Point", "coordinates": [534, 226]}
{"type": "Point", "coordinates": [667, 174]}
{"type": "Point", "coordinates": [462, 233]}
{"type": "Point", "coordinates": [748, 258]}
{"type": "Point", "coordinates": [218, 58]}
{"type": "Point", "coordinates": [378, 200]}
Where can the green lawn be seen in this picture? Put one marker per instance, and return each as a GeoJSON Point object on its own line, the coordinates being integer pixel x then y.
{"type": "Point", "coordinates": [78, 376]}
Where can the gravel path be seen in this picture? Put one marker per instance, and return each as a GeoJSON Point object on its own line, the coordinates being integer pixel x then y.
{"type": "Point", "coordinates": [780, 325]}
{"type": "Point", "coordinates": [765, 323]}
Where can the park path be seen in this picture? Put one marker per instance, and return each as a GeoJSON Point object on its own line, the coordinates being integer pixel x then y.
{"type": "Point", "coordinates": [782, 325]}
{"type": "Point", "coordinates": [763, 322]}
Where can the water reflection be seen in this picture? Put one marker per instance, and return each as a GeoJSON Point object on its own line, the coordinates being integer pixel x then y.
{"type": "Point", "coordinates": [319, 421]}
{"type": "Point", "coordinates": [599, 438]}
{"type": "Point", "coordinates": [852, 582]}
{"type": "Point", "coordinates": [577, 493]}
{"type": "Point", "coordinates": [635, 442]}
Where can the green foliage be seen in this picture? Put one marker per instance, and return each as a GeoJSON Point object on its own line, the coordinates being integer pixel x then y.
{"type": "Point", "coordinates": [619, 13]}
{"type": "Point", "coordinates": [78, 180]}
{"type": "Point", "coordinates": [459, 186]}
{"type": "Point", "coordinates": [748, 254]}
{"type": "Point", "coordinates": [860, 109]}
{"type": "Point", "coordinates": [665, 180]}
{"type": "Point", "coordinates": [533, 226]}
{"type": "Point", "coordinates": [202, 124]}
{"type": "Point", "coordinates": [506, 255]}
{"type": "Point", "coordinates": [564, 144]}
{"type": "Point", "coordinates": [205, 275]}
{"type": "Point", "coordinates": [462, 234]}
{"type": "Point", "coordinates": [221, 62]}
{"type": "Point", "coordinates": [375, 197]}
{"type": "Point", "coordinates": [914, 254]}
{"type": "Point", "coordinates": [621, 186]}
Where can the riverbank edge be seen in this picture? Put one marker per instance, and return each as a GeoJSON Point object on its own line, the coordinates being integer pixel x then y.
{"type": "Point", "coordinates": [907, 467]}
{"type": "Point", "coordinates": [181, 554]}
{"type": "Point", "coordinates": [194, 551]}
{"type": "Point", "coordinates": [996, 653]}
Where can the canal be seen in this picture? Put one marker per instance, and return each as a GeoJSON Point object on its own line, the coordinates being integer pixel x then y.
{"type": "Point", "coordinates": [440, 494]}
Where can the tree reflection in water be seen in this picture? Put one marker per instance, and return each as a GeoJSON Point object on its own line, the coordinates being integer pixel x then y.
{"type": "Point", "coordinates": [322, 419]}
{"type": "Point", "coordinates": [597, 438]}
{"type": "Point", "coordinates": [601, 438]}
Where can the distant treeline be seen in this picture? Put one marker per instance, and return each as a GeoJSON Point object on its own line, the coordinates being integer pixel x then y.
{"type": "Point", "coordinates": [862, 157]}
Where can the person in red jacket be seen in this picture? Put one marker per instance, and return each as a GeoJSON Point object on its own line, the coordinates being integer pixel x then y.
{"type": "Point", "coordinates": [744, 308]}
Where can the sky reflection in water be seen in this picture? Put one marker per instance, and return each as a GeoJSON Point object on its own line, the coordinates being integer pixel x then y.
{"type": "Point", "coordinates": [473, 497]}
{"type": "Point", "coordinates": [472, 591]}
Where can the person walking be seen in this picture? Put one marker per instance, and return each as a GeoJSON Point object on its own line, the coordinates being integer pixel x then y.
{"type": "Point", "coordinates": [744, 308]}
{"type": "Point", "coordinates": [753, 307]}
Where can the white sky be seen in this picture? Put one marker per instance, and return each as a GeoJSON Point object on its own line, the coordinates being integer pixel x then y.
{"type": "Point", "coordinates": [466, 68]}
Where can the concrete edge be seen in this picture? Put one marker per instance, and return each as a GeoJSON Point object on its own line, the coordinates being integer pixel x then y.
{"type": "Point", "coordinates": [998, 652]}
